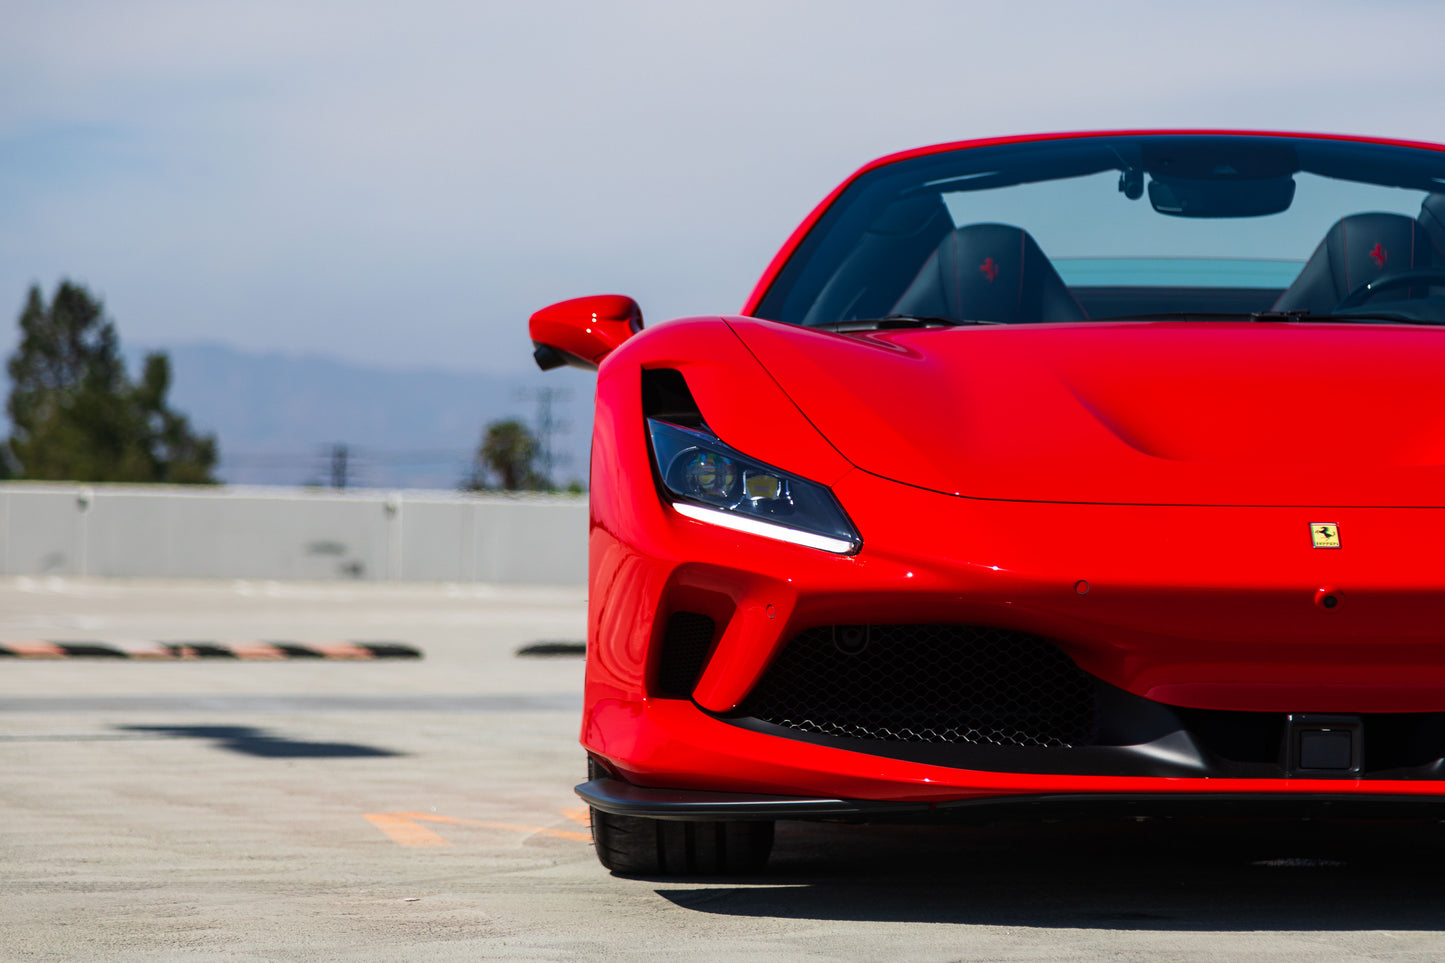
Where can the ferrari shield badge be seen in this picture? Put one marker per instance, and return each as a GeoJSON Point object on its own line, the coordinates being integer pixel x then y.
{"type": "Point", "coordinates": [1325, 535]}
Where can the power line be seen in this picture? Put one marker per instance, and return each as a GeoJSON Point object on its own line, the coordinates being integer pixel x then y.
{"type": "Point", "coordinates": [386, 456]}
{"type": "Point", "coordinates": [547, 425]}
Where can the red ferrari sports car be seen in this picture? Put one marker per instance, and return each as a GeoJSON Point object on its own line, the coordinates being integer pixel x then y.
{"type": "Point", "coordinates": [1078, 467]}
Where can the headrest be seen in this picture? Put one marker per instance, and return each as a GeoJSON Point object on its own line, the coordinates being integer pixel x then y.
{"type": "Point", "coordinates": [989, 272]}
{"type": "Point", "coordinates": [1357, 249]}
{"type": "Point", "coordinates": [1432, 219]}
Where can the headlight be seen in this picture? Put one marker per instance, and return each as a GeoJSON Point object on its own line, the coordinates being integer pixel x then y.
{"type": "Point", "coordinates": [713, 483]}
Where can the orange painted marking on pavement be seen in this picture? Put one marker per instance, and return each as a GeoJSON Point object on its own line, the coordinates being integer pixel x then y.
{"type": "Point", "coordinates": [403, 828]}
{"type": "Point", "coordinates": [36, 650]}
{"type": "Point", "coordinates": [405, 831]}
{"type": "Point", "coordinates": [257, 651]}
{"type": "Point", "coordinates": [541, 831]}
{"type": "Point", "coordinates": [579, 814]}
{"type": "Point", "coordinates": [145, 650]}
{"type": "Point", "coordinates": [342, 650]}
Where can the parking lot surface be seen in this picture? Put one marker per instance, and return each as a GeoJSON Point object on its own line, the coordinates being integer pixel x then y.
{"type": "Point", "coordinates": [230, 809]}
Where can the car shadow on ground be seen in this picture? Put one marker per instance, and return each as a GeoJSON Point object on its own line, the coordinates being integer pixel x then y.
{"type": "Point", "coordinates": [1157, 875]}
{"type": "Point", "coordinates": [251, 741]}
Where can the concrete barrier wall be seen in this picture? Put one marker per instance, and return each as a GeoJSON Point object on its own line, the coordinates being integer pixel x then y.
{"type": "Point", "coordinates": [285, 533]}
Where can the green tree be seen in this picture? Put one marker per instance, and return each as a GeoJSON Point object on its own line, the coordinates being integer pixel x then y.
{"type": "Point", "coordinates": [176, 453]}
{"type": "Point", "coordinates": [74, 413]}
{"type": "Point", "coordinates": [508, 451]}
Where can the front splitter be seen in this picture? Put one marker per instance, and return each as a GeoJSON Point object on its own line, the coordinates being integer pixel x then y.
{"type": "Point", "coordinates": [624, 799]}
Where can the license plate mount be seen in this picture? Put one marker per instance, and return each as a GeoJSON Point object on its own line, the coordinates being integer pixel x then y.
{"type": "Point", "coordinates": [1321, 746]}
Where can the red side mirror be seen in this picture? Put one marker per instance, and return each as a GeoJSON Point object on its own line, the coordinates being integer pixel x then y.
{"type": "Point", "coordinates": [583, 331]}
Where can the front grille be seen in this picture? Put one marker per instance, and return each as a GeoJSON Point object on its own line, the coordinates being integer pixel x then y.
{"type": "Point", "coordinates": [929, 684]}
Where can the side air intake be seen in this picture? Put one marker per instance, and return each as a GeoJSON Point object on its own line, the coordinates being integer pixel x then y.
{"type": "Point", "coordinates": [685, 645]}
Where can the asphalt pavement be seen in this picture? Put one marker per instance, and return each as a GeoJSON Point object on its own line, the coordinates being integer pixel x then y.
{"type": "Point", "coordinates": [353, 809]}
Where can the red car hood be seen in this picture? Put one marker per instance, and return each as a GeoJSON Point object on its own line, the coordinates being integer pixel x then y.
{"type": "Point", "coordinates": [1202, 413]}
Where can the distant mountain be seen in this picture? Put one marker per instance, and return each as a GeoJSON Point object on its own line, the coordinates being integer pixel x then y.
{"type": "Point", "coordinates": [279, 418]}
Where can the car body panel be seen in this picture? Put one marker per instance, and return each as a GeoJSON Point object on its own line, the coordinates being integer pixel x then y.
{"type": "Point", "coordinates": [1147, 498]}
{"type": "Point", "coordinates": [1252, 413]}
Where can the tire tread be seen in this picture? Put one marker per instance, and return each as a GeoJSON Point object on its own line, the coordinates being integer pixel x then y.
{"type": "Point", "coordinates": [643, 846]}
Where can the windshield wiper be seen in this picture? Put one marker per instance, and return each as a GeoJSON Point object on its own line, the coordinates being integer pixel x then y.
{"type": "Point", "coordinates": [893, 321]}
{"type": "Point", "coordinates": [1178, 316]}
{"type": "Point", "coordinates": [1304, 314]}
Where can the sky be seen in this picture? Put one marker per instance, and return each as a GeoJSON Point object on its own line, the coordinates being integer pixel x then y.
{"type": "Point", "coordinates": [402, 184]}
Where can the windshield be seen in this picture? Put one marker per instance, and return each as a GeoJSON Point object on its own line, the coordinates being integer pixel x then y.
{"type": "Point", "coordinates": [1109, 226]}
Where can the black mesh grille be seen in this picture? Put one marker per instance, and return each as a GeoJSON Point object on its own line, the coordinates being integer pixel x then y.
{"type": "Point", "coordinates": [928, 683]}
{"type": "Point", "coordinates": [685, 642]}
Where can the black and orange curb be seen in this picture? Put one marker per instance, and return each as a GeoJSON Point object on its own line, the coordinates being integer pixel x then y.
{"type": "Point", "coordinates": [194, 651]}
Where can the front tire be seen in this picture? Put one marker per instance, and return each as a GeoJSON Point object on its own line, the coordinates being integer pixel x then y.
{"type": "Point", "coordinates": [643, 846]}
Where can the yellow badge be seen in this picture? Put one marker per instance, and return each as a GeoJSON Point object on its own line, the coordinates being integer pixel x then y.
{"type": "Point", "coordinates": [1325, 535]}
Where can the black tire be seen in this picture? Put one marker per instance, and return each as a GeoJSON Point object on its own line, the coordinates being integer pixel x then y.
{"type": "Point", "coordinates": [642, 846]}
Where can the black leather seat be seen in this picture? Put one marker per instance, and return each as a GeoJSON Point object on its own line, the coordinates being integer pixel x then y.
{"type": "Point", "coordinates": [1357, 249]}
{"type": "Point", "coordinates": [989, 272]}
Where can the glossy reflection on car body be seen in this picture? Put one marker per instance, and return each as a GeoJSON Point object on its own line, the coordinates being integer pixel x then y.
{"type": "Point", "coordinates": [1004, 484]}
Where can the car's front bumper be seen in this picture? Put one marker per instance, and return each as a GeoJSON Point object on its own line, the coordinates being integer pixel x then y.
{"type": "Point", "coordinates": [1189, 608]}
{"type": "Point", "coordinates": [672, 746]}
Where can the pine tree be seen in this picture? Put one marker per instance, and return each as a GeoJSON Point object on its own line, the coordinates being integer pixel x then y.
{"type": "Point", "coordinates": [74, 413]}
{"type": "Point", "coordinates": [178, 455]}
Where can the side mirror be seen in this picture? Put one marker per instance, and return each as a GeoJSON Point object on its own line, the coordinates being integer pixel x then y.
{"type": "Point", "coordinates": [583, 331]}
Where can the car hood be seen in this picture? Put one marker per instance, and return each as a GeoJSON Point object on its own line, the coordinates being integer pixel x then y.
{"type": "Point", "coordinates": [1202, 413]}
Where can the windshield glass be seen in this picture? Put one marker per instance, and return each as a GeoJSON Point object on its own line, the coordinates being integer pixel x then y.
{"type": "Point", "coordinates": [1111, 226]}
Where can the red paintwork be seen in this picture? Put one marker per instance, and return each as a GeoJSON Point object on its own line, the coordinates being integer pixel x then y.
{"type": "Point", "coordinates": [1230, 623]}
{"type": "Point", "coordinates": [1158, 414]}
{"type": "Point", "coordinates": [990, 471]}
{"type": "Point", "coordinates": [587, 328]}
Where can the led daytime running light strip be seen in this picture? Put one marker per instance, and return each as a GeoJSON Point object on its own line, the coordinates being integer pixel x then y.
{"type": "Point", "coordinates": [755, 526]}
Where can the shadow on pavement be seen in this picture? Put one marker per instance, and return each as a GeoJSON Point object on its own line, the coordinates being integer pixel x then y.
{"type": "Point", "coordinates": [258, 742]}
{"type": "Point", "coordinates": [1165, 875]}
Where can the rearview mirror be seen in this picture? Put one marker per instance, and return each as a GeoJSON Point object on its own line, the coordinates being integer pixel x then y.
{"type": "Point", "coordinates": [582, 331]}
{"type": "Point", "coordinates": [1220, 197]}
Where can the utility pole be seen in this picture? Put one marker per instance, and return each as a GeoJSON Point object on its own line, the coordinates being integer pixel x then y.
{"type": "Point", "coordinates": [547, 425]}
{"type": "Point", "coordinates": [339, 457]}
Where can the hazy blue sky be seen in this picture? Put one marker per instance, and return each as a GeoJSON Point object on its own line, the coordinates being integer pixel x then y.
{"type": "Point", "coordinates": [403, 183]}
